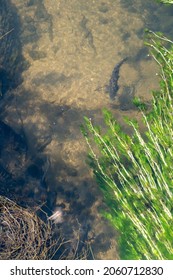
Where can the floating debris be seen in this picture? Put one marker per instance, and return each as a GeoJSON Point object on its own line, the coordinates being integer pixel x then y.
{"type": "Point", "coordinates": [57, 216]}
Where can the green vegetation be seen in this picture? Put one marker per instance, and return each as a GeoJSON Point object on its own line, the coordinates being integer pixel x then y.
{"type": "Point", "coordinates": [166, 1]}
{"type": "Point", "coordinates": [135, 172]}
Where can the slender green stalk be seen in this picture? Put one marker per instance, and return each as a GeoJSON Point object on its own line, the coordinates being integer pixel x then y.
{"type": "Point", "coordinates": [135, 173]}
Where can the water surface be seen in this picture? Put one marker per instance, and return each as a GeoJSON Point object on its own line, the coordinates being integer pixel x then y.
{"type": "Point", "coordinates": [72, 47]}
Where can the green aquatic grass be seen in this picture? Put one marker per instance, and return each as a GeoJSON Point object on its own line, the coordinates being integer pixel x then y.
{"type": "Point", "coordinates": [165, 1]}
{"type": "Point", "coordinates": [135, 172]}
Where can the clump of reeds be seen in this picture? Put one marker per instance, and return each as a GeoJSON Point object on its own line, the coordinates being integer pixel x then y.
{"type": "Point", "coordinates": [135, 172]}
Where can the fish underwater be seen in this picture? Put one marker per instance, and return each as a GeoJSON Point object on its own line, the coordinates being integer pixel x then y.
{"type": "Point", "coordinates": [113, 87]}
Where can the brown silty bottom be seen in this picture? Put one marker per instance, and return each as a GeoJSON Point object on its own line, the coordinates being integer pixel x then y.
{"type": "Point", "coordinates": [70, 64]}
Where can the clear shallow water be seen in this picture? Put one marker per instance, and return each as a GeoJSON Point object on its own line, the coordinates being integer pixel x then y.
{"type": "Point", "coordinates": [72, 47]}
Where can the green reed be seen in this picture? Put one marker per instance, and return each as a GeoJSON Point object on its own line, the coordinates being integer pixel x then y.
{"type": "Point", "coordinates": [165, 1]}
{"type": "Point", "coordinates": [135, 172]}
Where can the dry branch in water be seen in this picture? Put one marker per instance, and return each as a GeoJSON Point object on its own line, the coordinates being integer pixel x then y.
{"type": "Point", "coordinates": [23, 235]}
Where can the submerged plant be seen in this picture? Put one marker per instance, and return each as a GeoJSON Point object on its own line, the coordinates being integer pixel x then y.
{"type": "Point", "coordinates": [135, 172]}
